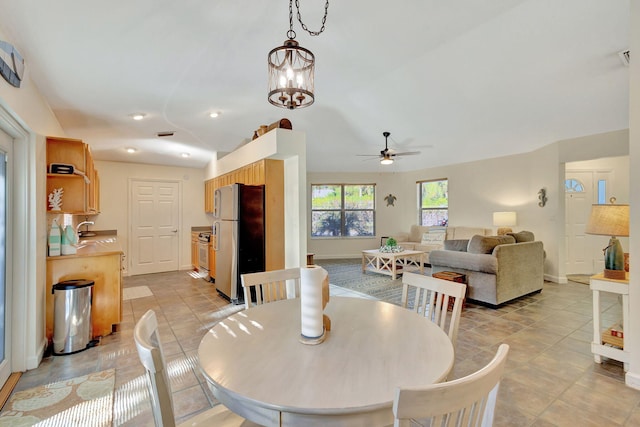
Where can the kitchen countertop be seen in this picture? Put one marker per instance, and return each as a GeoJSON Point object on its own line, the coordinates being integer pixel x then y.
{"type": "Point", "coordinates": [95, 246]}
{"type": "Point", "coordinates": [201, 228]}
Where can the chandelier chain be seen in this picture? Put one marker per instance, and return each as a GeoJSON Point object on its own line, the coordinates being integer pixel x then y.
{"type": "Point", "coordinates": [291, 34]}
{"type": "Point", "coordinates": [304, 27]}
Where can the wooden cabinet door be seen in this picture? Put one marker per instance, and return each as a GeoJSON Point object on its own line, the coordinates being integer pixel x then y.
{"type": "Point", "coordinates": [194, 250]}
{"type": "Point", "coordinates": [78, 195]}
{"type": "Point", "coordinates": [106, 273]}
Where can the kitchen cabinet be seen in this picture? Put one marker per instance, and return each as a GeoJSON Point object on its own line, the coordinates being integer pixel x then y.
{"type": "Point", "coordinates": [80, 195]}
{"type": "Point", "coordinates": [270, 173]}
{"type": "Point", "coordinates": [194, 249]}
{"type": "Point", "coordinates": [105, 269]}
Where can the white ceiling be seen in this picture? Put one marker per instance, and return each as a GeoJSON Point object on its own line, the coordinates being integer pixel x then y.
{"type": "Point", "coordinates": [458, 80]}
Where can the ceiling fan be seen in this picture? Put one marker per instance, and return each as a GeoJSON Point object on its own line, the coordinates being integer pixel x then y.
{"type": "Point", "coordinates": [388, 155]}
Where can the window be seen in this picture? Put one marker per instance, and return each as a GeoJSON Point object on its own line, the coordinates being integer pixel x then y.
{"type": "Point", "coordinates": [602, 191]}
{"type": "Point", "coordinates": [343, 210]}
{"type": "Point", "coordinates": [573, 186]}
{"type": "Point", "coordinates": [434, 202]}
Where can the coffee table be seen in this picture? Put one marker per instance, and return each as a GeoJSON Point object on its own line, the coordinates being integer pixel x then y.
{"type": "Point", "coordinates": [391, 263]}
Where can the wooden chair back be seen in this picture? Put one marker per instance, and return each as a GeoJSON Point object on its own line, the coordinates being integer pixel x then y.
{"type": "Point", "coordinates": [439, 300]}
{"type": "Point", "coordinates": [270, 285]}
{"type": "Point", "coordinates": [147, 339]}
{"type": "Point", "coordinates": [465, 402]}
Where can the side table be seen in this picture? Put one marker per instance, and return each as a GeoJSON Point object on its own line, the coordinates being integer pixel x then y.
{"type": "Point", "coordinates": [609, 347]}
{"type": "Point", "coordinates": [452, 276]}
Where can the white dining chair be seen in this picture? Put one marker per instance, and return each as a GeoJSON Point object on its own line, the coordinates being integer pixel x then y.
{"type": "Point", "coordinates": [432, 300]}
{"type": "Point", "coordinates": [465, 402]}
{"type": "Point", "coordinates": [147, 341]}
{"type": "Point", "coordinates": [270, 285]}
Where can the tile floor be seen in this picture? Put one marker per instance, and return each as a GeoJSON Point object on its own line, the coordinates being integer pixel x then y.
{"type": "Point", "coordinates": [551, 378]}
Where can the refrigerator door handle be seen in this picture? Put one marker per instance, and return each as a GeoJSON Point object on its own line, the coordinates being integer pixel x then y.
{"type": "Point", "coordinates": [216, 203]}
{"type": "Point", "coordinates": [216, 236]}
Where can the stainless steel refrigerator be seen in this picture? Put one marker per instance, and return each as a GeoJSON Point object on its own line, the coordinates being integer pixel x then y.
{"type": "Point", "coordinates": [238, 230]}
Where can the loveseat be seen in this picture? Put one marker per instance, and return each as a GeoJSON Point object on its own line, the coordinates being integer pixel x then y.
{"type": "Point", "coordinates": [498, 268]}
{"type": "Point", "coordinates": [428, 238]}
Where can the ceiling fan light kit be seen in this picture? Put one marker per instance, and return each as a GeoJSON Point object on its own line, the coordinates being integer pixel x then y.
{"type": "Point", "coordinates": [291, 68]}
{"type": "Point", "coordinates": [388, 155]}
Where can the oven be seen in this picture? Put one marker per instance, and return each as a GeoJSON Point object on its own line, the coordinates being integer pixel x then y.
{"type": "Point", "coordinates": [203, 254]}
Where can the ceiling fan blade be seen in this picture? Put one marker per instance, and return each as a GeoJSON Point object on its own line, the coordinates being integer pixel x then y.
{"type": "Point", "coordinates": [369, 155]}
{"type": "Point", "coordinates": [406, 153]}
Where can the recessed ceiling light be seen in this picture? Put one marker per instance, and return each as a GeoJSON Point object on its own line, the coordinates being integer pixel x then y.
{"type": "Point", "coordinates": [138, 116]}
{"type": "Point", "coordinates": [185, 155]}
{"type": "Point", "coordinates": [214, 114]}
{"type": "Point", "coordinates": [131, 150]}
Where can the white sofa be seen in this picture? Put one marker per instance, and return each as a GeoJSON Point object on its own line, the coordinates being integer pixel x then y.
{"type": "Point", "coordinates": [428, 238]}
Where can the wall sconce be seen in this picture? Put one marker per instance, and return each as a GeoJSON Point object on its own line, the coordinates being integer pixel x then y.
{"type": "Point", "coordinates": [542, 196]}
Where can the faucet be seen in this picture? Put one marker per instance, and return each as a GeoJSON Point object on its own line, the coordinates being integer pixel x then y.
{"type": "Point", "coordinates": [78, 231]}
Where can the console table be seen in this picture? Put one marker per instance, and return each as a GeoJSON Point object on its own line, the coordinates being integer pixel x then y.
{"type": "Point", "coordinates": [602, 345]}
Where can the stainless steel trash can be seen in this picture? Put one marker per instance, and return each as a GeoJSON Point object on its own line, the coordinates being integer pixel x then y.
{"type": "Point", "coordinates": [72, 328]}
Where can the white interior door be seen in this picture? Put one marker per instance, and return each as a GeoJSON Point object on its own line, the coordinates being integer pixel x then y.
{"type": "Point", "coordinates": [5, 242]}
{"type": "Point", "coordinates": [155, 211]}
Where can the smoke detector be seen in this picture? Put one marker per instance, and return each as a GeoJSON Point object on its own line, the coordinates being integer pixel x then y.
{"type": "Point", "coordinates": [165, 133]}
{"type": "Point", "coordinates": [625, 56]}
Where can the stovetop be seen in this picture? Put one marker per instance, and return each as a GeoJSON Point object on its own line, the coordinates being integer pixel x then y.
{"type": "Point", "coordinates": [204, 237]}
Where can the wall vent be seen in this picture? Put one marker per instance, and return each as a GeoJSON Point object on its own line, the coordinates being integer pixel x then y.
{"type": "Point", "coordinates": [625, 56]}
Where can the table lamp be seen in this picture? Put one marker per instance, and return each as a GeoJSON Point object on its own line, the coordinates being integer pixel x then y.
{"type": "Point", "coordinates": [611, 220]}
{"type": "Point", "coordinates": [504, 220]}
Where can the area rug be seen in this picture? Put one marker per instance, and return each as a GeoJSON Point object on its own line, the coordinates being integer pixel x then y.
{"type": "Point", "coordinates": [136, 292]}
{"type": "Point", "coordinates": [80, 401]}
{"type": "Point", "coordinates": [579, 278]}
{"type": "Point", "coordinates": [347, 273]}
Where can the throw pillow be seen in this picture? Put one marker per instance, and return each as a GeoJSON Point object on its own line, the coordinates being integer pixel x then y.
{"type": "Point", "coordinates": [485, 244]}
{"type": "Point", "coordinates": [433, 237]}
{"type": "Point", "coordinates": [523, 236]}
{"type": "Point", "coordinates": [459, 245]}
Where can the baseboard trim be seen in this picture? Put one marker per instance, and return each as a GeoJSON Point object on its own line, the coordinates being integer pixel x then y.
{"type": "Point", "coordinates": [632, 380]}
{"type": "Point", "coordinates": [556, 279]}
{"type": "Point", "coordinates": [34, 362]}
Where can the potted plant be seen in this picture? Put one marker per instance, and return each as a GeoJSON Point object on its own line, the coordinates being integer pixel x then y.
{"type": "Point", "coordinates": [391, 246]}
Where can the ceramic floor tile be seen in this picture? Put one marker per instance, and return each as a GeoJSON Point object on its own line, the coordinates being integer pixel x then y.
{"type": "Point", "coordinates": [550, 378]}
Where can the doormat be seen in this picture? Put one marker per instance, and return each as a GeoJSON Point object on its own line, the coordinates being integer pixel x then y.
{"type": "Point", "coordinates": [136, 292]}
{"type": "Point", "coordinates": [80, 401]}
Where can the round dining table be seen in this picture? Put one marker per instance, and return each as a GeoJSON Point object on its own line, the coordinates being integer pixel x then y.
{"type": "Point", "coordinates": [256, 365]}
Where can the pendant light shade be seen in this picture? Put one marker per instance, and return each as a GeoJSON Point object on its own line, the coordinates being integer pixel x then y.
{"type": "Point", "coordinates": [291, 69]}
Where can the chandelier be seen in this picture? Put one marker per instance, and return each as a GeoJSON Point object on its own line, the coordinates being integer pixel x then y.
{"type": "Point", "coordinates": [291, 67]}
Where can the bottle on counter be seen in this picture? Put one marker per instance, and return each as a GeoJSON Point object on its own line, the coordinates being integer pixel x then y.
{"type": "Point", "coordinates": [54, 239]}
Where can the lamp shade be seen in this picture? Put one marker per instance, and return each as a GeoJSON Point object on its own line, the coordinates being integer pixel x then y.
{"type": "Point", "coordinates": [504, 219]}
{"type": "Point", "coordinates": [609, 220]}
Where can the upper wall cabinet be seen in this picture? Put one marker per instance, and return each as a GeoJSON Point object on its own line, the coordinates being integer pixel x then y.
{"type": "Point", "coordinates": [270, 173]}
{"type": "Point", "coordinates": [70, 168]}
